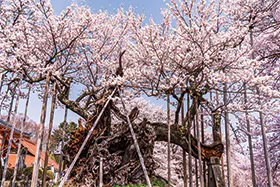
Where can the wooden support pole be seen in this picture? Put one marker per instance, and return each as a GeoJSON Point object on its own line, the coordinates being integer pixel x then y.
{"type": "Point", "coordinates": [211, 179]}
{"type": "Point", "coordinates": [184, 152]}
{"type": "Point", "coordinates": [203, 141]}
{"type": "Point", "coordinates": [62, 142]}
{"type": "Point", "coordinates": [10, 141]}
{"type": "Point", "coordinates": [168, 141]}
{"type": "Point", "coordinates": [101, 173]}
{"type": "Point", "coordinates": [265, 149]}
{"type": "Point", "coordinates": [228, 144]}
{"type": "Point", "coordinates": [7, 123]}
{"type": "Point", "coordinates": [35, 173]}
{"type": "Point", "coordinates": [20, 139]}
{"type": "Point", "coordinates": [44, 179]}
{"type": "Point", "coordinates": [249, 138]}
{"type": "Point", "coordinates": [189, 143]}
{"type": "Point", "coordinates": [195, 161]}
{"type": "Point", "coordinates": [248, 121]}
{"type": "Point", "coordinates": [199, 147]}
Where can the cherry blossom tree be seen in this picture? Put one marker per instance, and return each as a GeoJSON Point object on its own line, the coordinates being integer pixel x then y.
{"type": "Point", "coordinates": [198, 48]}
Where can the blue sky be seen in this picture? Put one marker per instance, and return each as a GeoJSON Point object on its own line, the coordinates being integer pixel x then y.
{"type": "Point", "coordinates": [151, 8]}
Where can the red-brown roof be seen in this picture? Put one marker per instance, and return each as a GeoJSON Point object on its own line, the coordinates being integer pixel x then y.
{"type": "Point", "coordinates": [29, 160]}
{"type": "Point", "coordinates": [31, 147]}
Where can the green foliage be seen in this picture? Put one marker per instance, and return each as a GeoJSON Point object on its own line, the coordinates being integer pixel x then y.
{"type": "Point", "coordinates": [131, 185]}
{"type": "Point", "coordinates": [58, 131]}
{"type": "Point", "coordinates": [28, 172]}
{"type": "Point", "coordinates": [159, 183]}
{"type": "Point", "coordinates": [53, 157]}
{"type": "Point", "coordinates": [50, 175]}
{"type": "Point", "coordinates": [57, 134]}
{"type": "Point", "coordinates": [155, 183]}
{"type": "Point", "coordinates": [9, 174]}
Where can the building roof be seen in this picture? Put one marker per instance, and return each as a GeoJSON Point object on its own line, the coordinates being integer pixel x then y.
{"type": "Point", "coordinates": [27, 143]}
{"type": "Point", "coordinates": [31, 147]}
{"type": "Point", "coordinates": [16, 131]}
{"type": "Point", "coordinates": [29, 160]}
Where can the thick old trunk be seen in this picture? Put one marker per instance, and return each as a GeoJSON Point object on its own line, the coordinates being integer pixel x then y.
{"type": "Point", "coordinates": [178, 137]}
{"type": "Point", "coordinates": [120, 161]}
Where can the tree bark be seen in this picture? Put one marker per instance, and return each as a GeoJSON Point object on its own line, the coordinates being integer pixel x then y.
{"type": "Point", "coordinates": [44, 178]}
{"type": "Point", "coordinates": [1, 81]}
{"type": "Point", "coordinates": [20, 139]}
{"type": "Point", "coordinates": [207, 151]}
{"type": "Point", "coordinates": [34, 181]}
{"type": "Point", "coordinates": [221, 137]}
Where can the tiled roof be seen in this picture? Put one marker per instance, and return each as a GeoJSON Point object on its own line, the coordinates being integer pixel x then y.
{"type": "Point", "coordinates": [29, 160]}
{"type": "Point", "coordinates": [31, 147]}
{"type": "Point", "coordinates": [3, 125]}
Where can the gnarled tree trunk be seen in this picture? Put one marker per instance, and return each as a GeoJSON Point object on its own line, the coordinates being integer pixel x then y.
{"type": "Point", "coordinates": [120, 161]}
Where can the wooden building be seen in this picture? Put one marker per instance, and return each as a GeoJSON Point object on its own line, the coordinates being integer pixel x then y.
{"type": "Point", "coordinates": [28, 149]}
